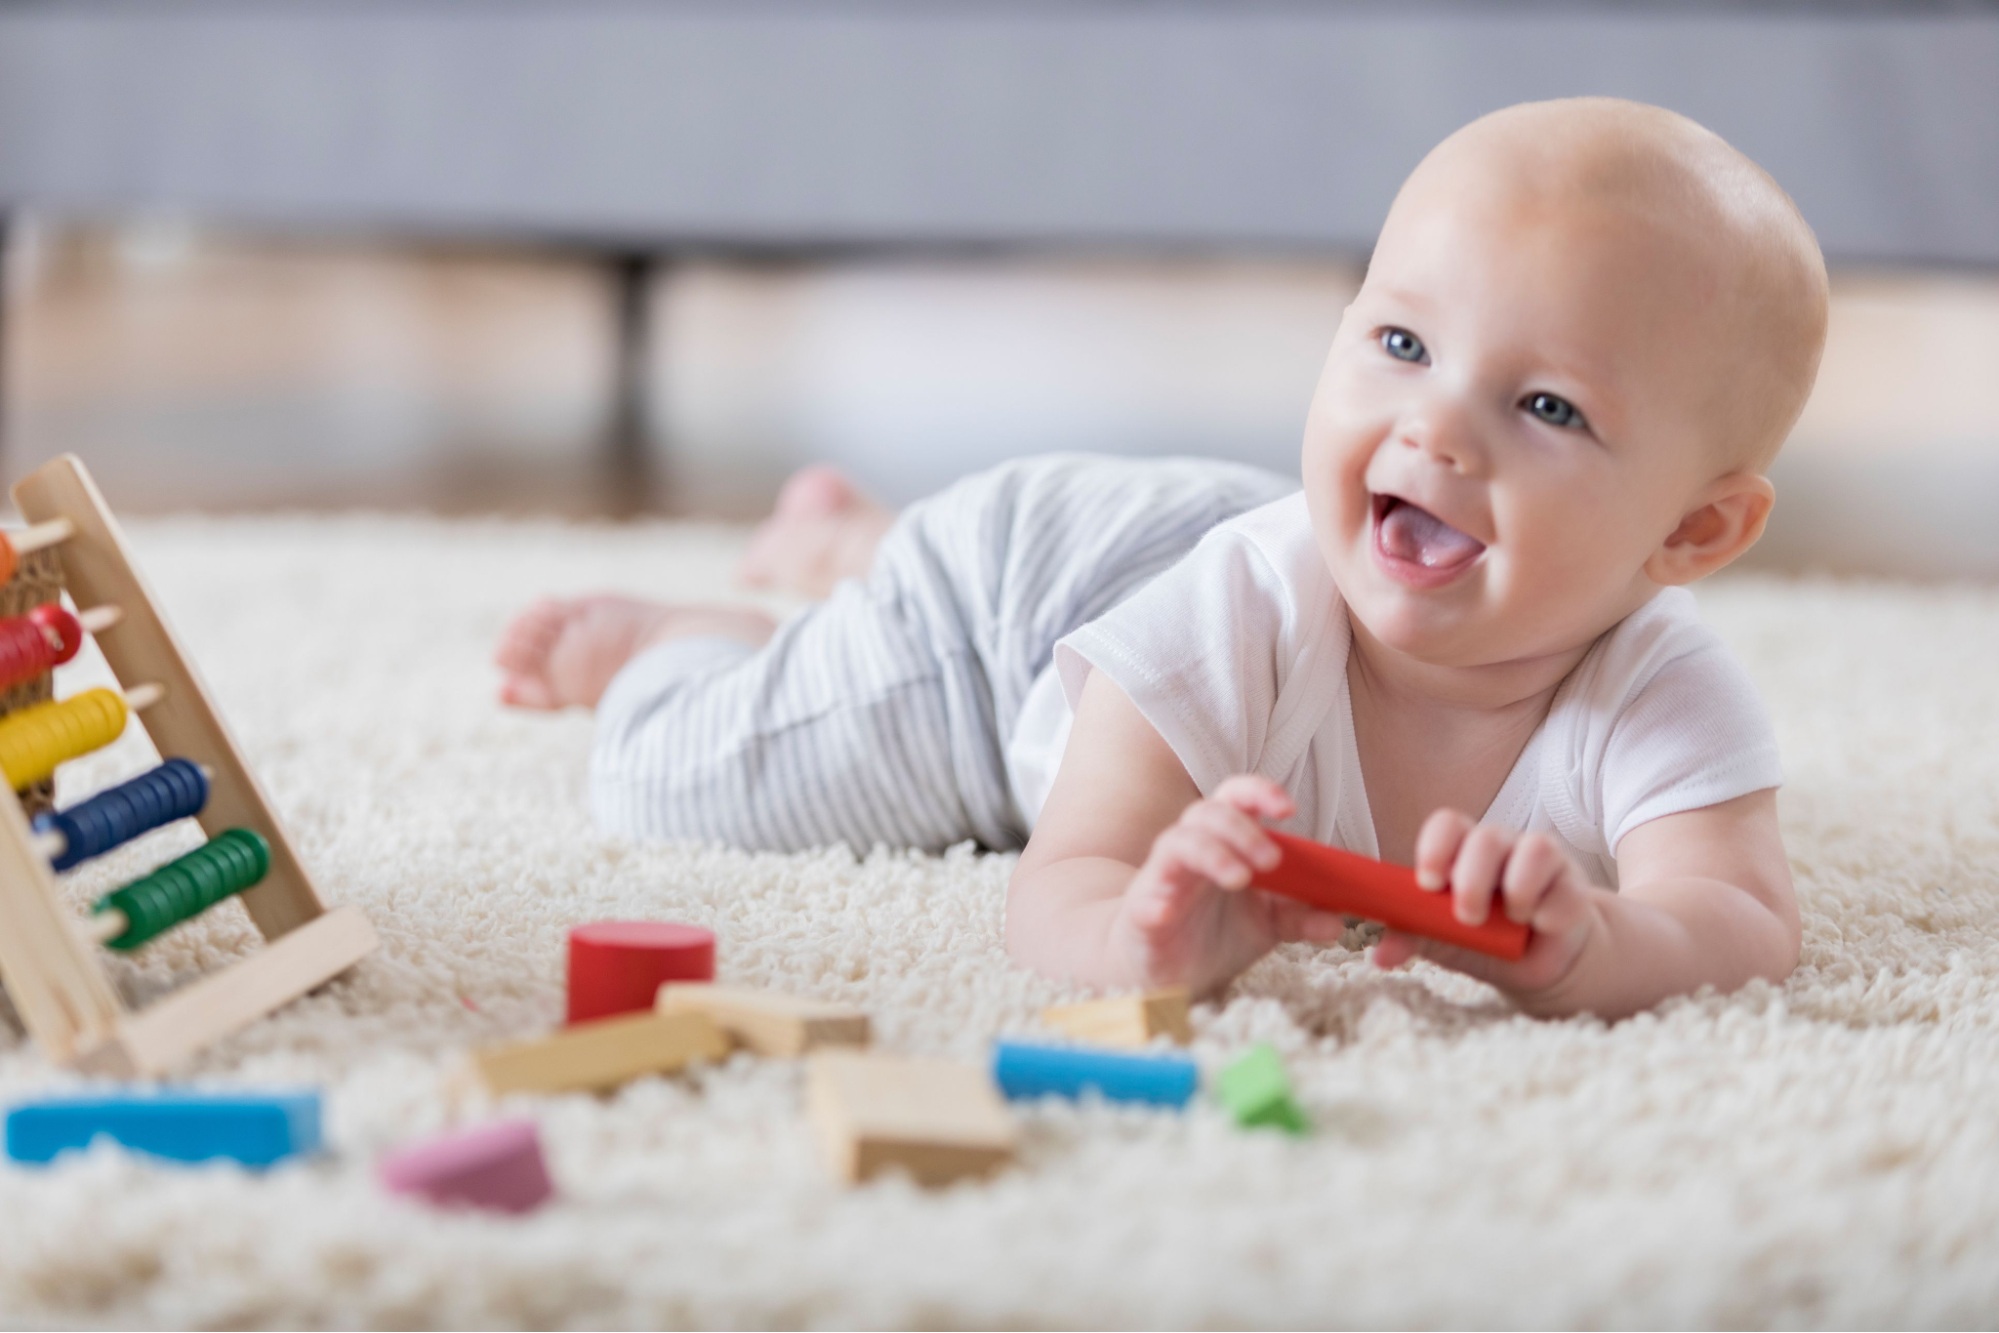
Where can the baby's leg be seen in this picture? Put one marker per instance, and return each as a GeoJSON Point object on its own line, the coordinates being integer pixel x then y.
{"type": "Point", "coordinates": [841, 729]}
{"type": "Point", "coordinates": [562, 652]}
{"type": "Point", "coordinates": [821, 530]}
{"type": "Point", "coordinates": [882, 715]}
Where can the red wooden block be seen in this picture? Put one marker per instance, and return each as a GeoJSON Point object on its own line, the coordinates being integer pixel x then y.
{"type": "Point", "coordinates": [617, 967]}
{"type": "Point", "coordinates": [1339, 881]}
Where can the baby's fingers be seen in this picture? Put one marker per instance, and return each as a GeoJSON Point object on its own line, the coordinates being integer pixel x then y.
{"type": "Point", "coordinates": [1256, 795]}
{"type": "Point", "coordinates": [1532, 869]}
{"type": "Point", "coordinates": [1475, 873]}
{"type": "Point", "coordinates": [1183, 871]}
{"type": "Point", "coordinates": [1437, 847]}
{"type": "Point", "coordinates": [1565, 909]}
{"type": "Point", "coordinates": [1243, 835]}
{"type": "Point", "coordinates": [1190, 853]}
{"type": "Point", "coordinates": [1392, 950]}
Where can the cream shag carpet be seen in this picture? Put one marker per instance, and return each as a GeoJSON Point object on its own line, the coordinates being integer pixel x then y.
{"type": "Point", "coordinates": [1824, 1153]}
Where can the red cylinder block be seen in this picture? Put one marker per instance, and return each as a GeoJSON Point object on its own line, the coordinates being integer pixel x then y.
{"type": "Point", "coordinates": [617, 967]}
{"type": "Point", "coordinates": [1334, 880]}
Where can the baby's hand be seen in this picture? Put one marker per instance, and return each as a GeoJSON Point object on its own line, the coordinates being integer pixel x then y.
{"type": "Point", "coordinates": [1533, 882]}
{"type": "Point", "coordinates": [1189, 917]}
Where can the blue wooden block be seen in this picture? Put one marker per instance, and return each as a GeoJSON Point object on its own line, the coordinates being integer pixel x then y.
{"type": "Point", "coordinates": [255, 1129]}
{"type": "Point", "coordinates": [1028, 1069]}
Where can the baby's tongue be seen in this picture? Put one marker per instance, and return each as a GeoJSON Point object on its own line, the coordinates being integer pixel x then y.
{"type": "Point", "coordinates": [1411, 533]}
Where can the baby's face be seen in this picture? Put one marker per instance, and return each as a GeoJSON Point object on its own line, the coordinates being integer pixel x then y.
{"type": "Point", "coordinates": [1514, 416]}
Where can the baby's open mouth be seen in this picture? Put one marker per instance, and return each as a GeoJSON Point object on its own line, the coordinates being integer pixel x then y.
{"type": "Point", "coordinates": [1403, 531]}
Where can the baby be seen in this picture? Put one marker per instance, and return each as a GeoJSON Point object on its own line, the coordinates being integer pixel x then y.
{"type": "Point", "coordinates": [1466, 645]}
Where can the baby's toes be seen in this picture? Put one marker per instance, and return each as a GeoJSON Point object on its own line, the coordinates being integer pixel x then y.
{"type": "Point", "coordinates": [529, 638]}
{"type": "Point", "coordinates": [758, 567]}
{"type": "Point", "coordinates": [816, 490]}
{"type": "Point", "coordinates": [518, 691]}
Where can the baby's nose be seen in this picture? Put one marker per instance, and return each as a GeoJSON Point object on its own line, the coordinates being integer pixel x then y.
{"type": "Point", "coordinates": [1447, 436]}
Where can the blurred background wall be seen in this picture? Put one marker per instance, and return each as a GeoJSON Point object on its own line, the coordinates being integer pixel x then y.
{"type": "Point", "coordinates": [600, 258]}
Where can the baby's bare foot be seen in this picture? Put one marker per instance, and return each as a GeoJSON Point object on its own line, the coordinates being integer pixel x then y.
{"type": "Point", "coordinates": [822, 530]}
{"type": "Point", "coordinates": [561, 653]}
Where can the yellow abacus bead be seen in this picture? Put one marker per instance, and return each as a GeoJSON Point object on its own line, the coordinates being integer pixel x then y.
{"type": "Point", "coordinates": [35, 740]}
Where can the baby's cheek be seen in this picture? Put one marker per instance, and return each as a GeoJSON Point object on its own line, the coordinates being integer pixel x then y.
{"type": "Point", "coordinates": [1344, 483]}
{"type": "Point", "coordinates": [1337, 505]}
{"type": "Point", "coordinates": [1565, 539]}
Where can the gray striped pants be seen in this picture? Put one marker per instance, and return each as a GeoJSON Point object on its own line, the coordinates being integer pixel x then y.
{"type": "Point", "coordinates": [882, 714]}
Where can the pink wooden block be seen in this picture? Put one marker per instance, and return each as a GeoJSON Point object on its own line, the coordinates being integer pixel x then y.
{"type": "Point", "coordinates": [493, 1166]}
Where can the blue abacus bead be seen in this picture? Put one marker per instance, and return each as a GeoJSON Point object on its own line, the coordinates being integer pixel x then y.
{"type": "Point", "coordinates": [1029, 1069]}
{"type": "Point", "coordinates": [255, 1129]}
{"type": "Point", "coordinates": [76, 842]}
{"type": "Point", "coordinates": [176, 789]}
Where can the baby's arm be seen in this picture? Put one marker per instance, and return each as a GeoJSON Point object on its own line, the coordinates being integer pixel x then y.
{"type": "Point", "coordinates": [1132, 878]}
{"type": "Point", "coordinates": [1706, 900]}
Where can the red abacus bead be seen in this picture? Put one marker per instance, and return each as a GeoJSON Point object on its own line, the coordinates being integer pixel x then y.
{"type": "Point", "coordinates": [617, 967]}
{"type": "Point", "coordinates": [64, 630]}
{"type": "Point", "coordinates": [24, 651]}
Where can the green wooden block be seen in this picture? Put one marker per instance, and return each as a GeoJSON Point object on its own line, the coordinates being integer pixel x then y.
{"type": "Point", "coordinates": [1257, 1092]}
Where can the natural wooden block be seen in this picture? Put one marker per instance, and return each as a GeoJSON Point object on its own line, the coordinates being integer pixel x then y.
{"type": "Point", "coordinates": [1125, 1020]}
{"type": "Point", "coordinates": [936, 1120]}
{"type": "Point", "coordinates": [603, 1054]}
{"type": "Point", "coordinates": [768, 1022]}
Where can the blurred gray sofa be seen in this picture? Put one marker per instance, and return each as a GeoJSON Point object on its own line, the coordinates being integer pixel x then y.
{"type": "Point", "coordinates": [760, 123]}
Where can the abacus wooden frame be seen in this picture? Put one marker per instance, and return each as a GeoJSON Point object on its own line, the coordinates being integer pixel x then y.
{"type": "Point", "coordinates": [50, 969]}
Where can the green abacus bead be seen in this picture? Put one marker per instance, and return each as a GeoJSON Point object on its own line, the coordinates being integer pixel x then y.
{"type": "Point", "coordinates": [227, 864]}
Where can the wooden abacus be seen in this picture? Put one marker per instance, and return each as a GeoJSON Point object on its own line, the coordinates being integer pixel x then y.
{"type": "Point", "coordinates": [48, 956]}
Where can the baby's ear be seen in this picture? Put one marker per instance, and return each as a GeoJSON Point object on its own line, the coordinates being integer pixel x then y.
{"type": "Point", "coordinates": [1725, 520]}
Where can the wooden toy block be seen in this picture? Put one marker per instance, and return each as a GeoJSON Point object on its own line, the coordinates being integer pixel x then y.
{"type": "Point", "coordinates": [591, 1057]}
{"type": "Point", "coordinates": [617, 967]}
{"type": "Point", "coordinates": [48, 957]}
{"type": "Point", "coordinates": [1334, 880]}
{"type": "Point", "coordinates": [768, 1022]}
{"type": "Point", "coordinates": [1125, 1020]}
{"type": "Point", "coordinates": [496, 1166]}
{"type": "Point", "coordinates": [938, 1121]}
{"type": "Point", "coordinates": [1257, 1092]}
{"type": "Point", "coordinates": [255, 1129]}
{"type": "Point", "coordinates": [1028, 1069]}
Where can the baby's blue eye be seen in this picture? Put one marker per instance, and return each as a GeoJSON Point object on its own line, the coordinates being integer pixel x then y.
{"type": "Point", "coordinates": [1555, 411]}
{"type": "Point", "coordinates": [1403, 345]}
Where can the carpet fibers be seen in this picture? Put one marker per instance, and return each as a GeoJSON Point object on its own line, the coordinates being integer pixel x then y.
{"type": "Point", "coordinates": [1821, 1153]}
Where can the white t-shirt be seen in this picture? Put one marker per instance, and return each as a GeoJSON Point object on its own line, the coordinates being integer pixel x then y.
{"type": "Point", "coordinates": [1238, 655]}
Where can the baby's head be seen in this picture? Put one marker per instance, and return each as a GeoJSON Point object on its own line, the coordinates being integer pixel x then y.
{"type": "Point", "coordinates": [1586, 329]}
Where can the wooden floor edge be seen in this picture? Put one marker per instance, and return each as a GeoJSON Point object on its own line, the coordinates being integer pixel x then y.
{"type": "Point", "coordinates": [204, 1011]}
